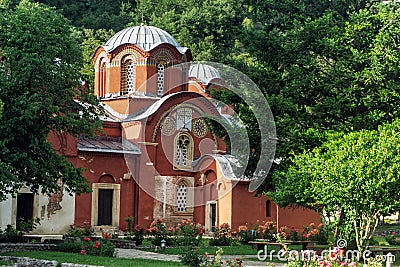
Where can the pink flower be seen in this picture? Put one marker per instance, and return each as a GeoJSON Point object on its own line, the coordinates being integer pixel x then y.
{"type": "Point", "coordinates": [83, 252]}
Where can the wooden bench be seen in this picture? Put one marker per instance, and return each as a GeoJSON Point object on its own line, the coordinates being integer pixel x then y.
{"type": "Point", "coordinates": [259, 244]}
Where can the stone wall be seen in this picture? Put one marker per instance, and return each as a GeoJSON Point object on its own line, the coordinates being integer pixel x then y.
{"type": "Point", "coordinates": [25, 261]}
{"type": "Point", "coordinates": [10, 247]}
{"type": "Point", "coordinates": [167, 185]}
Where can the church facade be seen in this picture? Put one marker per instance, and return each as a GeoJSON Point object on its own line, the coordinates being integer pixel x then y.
{"type": "Point", "coordinates": [156, 156]}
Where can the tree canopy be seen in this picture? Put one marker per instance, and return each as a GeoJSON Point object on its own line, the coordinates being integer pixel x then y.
{"type": "Point", "coordinates": [351, 180]}
{"type": "Point", "coordinates": [41, 92]}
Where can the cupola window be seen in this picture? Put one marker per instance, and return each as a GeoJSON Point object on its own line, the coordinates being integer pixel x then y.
{"type": "Point", "coordinates": [128, 77]}
{"type": "Point", "coordinates": [160, 78]}
{"type": "Point", "coordinates": [102, 79]}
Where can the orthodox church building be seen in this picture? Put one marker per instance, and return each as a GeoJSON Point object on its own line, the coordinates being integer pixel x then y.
{"type": "Point", "coordinates": [156, 156]}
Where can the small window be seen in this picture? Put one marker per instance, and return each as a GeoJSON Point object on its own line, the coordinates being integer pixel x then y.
{"type": "Point", "coordinates": [102, 79]}
{"type": "Point", "coordinates": [184, 119]}
{"type": "Point", "coordinates": [183, 151]}
{"type": "Point", "coordinates": [128, 77]}
{"type": "Point", "coordinates": [268, 208]}
{"type": "Point", "coordinates": [181, 198]}
{"type": "Point", "coordinates": [160, 79]}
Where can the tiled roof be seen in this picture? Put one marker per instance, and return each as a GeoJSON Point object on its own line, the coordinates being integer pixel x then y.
{"type": "Point", "coordinates": [204, 73]}
{"type": "Point", "coordinates": [145, 37]}
{"type": "Point", "coordinates": [107, 145]}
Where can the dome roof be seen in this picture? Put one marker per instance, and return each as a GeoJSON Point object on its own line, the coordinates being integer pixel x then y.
{"type": "Point", "coordinates": [204, 73]}
{"type": "Point", "coordinates": [145, 37]}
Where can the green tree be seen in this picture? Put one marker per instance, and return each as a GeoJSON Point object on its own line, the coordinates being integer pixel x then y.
{"type": "Point", "coordinates": [328, 67]}
{"type": "Point", "coordinates": [41, 93]}
{"type": "Point", "coordinates": [351, 180]}
{"type": "Point", "coordinates": [91, 40]}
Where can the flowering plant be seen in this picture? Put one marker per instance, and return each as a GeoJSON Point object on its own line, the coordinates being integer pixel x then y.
{"type": "Point", "coordinates": [332, 259]}
{"type": "Point", "coordinates": [80, 231]}
{"type": "Point", "coordinates": [105, 235]}
{"type": "Point", "coordinates": [218, 262]}
{"type": "Point", "coordinates": [159, 232]}
{"type": "Point", "coordinates": [318, 233]}
{"type": "Point", "coordinates": [102, 247]}
{"type": "Point", "coordinates": [222, 235]}
{"type": "Point", "coordinates": [188, 233]}
{"type": "Point", "coordinates": [140, 232]}
{"type": "Point", "coordinates": [392, 238]}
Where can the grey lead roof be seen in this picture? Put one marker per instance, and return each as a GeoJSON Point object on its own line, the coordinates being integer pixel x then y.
{"type": "Point", "coordinates": [107, 145]}
{"type": "Point", "coordinates": [204, 73]}
{"type": "Point", "coordinates": [145, 37]}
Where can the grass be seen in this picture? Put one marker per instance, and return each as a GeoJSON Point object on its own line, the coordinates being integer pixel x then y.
{"type": "Point", "coordinates": [65, 257]}
{"type": "Point", "coordinates": [2, 262]}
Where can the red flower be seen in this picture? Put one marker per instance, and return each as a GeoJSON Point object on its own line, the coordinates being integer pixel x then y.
{"type": "Point", "coordinates": [87, 239]}
{"type": "Point", "coordinates": [97, 244]}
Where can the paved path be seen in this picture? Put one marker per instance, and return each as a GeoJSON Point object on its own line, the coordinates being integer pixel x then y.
{"type": "Point", "coordinates": [135, 253]}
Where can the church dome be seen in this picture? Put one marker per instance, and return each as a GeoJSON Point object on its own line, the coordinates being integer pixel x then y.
{"type": "Point", "coordinates": [204, 73]}
{"type": "Point", "coordinates": [145, 37]}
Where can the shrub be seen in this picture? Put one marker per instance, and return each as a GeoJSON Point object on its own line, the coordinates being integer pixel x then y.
{"type": "Point", "coordinates": [192, 257]}
{"type": "Point", "coordinates": [188, 233]}
{"type": "Point", "coordinates": [318, 233]}
{"type": "Point", "coordinates": [27, 225]}
{"type": "Point", "coordinates": [70, 246]}
{"type": "Point", "coordinates": [245, 236]}
{"type": "Point", "coordinates": [139, 235]}
{"type": "Point", "coordinates": [294, 234]}
{"type": "Point", "coordinates": [259, 230]}
{"type": "Point", "coordinates": [218, 262]}
{"type": "Point", "coordinates": [222, 236]}
{"type": "Point", "coordinates": [129, 228]}
{"type": "Point", "coordinates": [160, 232]}
{"type": "Point", "coordinates": [10, 235]}
{"type": "Point", "coordinates": [392, 239]}
{"type": "Point", "coordinates": [102, 247]}
{"type": "Point", "coordinates": [80, 231]}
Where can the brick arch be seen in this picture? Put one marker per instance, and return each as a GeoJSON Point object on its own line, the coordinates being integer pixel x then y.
{"type": "Point", "coordinates": [106, 178]}
{"type": "Point", "coordinates": [129, 48]}
{"type": "Point", "coordinates": [133, 53]}
{"type": "Point", "coordinates": [165, 51]}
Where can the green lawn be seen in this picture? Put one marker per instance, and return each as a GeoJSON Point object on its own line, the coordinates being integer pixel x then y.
{"type": "Point", "coordinates": [64, 257]}
{"type": "Point", "coordinates": [5, 263]}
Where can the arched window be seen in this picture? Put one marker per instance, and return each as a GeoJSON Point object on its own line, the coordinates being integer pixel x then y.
{"type": "Point", "coordinates": [268, 208]}
{"type": "Point", "coordinates": [181, 198]}
{"type": "Point", "coordinates": [102, 79]}
{"type": "Point", "coordinates": [128, 77]}
{"type": "Point", "coordinates": [160, 78]}
{"type": "Point", "coordinates": [183, 151]}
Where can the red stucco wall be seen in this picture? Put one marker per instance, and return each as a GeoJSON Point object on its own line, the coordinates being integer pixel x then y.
{"type": "Point", "coordinates": [248, 208]}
